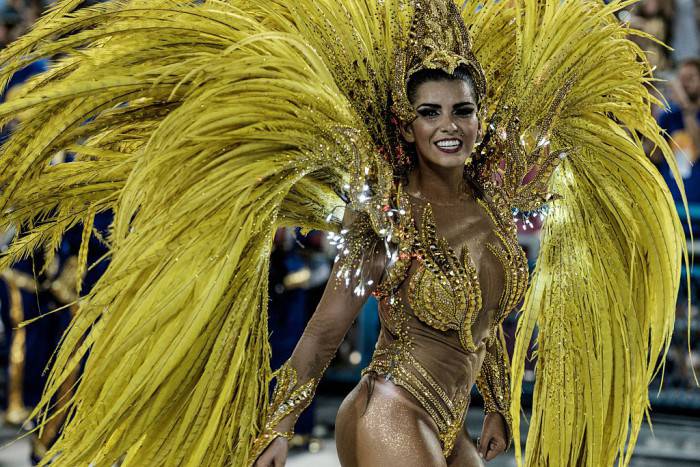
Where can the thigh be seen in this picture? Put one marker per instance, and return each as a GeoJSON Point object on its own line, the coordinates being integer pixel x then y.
{"type": "Point", "coordinates": [464, 453]}
{"type": "Point", "coordinates": [389, 429]}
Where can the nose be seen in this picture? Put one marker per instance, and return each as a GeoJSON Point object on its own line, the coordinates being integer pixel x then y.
{"type": "Point", "coordinates": [450, 126]}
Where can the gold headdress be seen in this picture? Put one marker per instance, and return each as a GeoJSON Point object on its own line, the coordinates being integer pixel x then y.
{"type": "Point", "coordinates": [438, 40]}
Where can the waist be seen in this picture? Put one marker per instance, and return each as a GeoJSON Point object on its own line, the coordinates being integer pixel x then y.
{"type": "Point", "coordinates": [446, 406]}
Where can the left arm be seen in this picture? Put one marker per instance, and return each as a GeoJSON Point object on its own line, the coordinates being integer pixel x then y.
{"type": "Point", "coordinates": [494, 385]}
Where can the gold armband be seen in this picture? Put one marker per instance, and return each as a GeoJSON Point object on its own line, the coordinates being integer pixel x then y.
{"type": "Point", "coordinates": [287, 400]}
{"type": "Point", "coordinates": [494, 384]}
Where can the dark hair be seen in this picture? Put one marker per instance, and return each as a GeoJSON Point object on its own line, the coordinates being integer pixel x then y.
{"type": "Point", "coordinates": [691, 62]}
{"type": "Point", "coordinates": [428, 74]}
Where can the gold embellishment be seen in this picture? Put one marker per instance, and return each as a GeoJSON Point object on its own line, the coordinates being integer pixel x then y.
{"type": "Point", "coordinates": [354, 248]}
{"type": "Point", "coordinates": [524, 182]}
{"type": "Point", "coordinates": [438, 39]}
{"type": "Point", "coordinates": [511, 256]}
{"type": "Point", "coordinates": [397, 364]}
{"type": "Point", "coordinates": [444, 293]}
{"type": "Point", "coordinates": [493, 382]}
{"type": "Point", "coordinates": [287, 399]}
{"type": "Point", "coordinates": [404, 235]}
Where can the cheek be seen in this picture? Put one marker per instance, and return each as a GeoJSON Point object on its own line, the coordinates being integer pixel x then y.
{"type": "Point", "coordinates": [423, 131]}
{"type": "Point", "coordinates": [470, 128]}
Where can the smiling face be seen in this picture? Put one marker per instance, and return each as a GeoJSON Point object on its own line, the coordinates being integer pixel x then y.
{"type": "Point", "coordinates": [447, 125]}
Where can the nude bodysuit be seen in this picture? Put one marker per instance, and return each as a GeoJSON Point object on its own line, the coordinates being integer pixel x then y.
{"type": "Point", "coordinates": [439, 314]}
{"type": "Point", "coordinates": [455, 274]}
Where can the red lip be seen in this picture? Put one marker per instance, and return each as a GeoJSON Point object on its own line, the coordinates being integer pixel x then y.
{"type": "Point", "coordinates": [450, 151]}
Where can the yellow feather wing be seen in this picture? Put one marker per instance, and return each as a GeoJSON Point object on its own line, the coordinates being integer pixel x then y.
{"type": "Point", "coordinates": [603, 293]}
{"type": "Point", "coordinates": [203, 128]}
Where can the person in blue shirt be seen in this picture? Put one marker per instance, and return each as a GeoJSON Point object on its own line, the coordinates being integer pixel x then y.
{"type": "Point", "coordinates": [682, 123]}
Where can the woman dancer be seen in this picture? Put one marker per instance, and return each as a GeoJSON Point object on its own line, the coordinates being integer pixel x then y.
{"type": "Point", "coordinates": [440, 302]}
{"type": "Point", "coordinates": [204, 126]}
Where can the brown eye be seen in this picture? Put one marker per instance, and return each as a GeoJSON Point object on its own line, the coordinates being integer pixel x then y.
{"type": "Point", "coordinates": [464, 111]}
{"type": "Point", "coordinates": [427, 112]}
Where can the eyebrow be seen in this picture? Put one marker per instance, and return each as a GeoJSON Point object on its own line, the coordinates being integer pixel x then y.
{"type": "Point", "coordinates": [437, 106]}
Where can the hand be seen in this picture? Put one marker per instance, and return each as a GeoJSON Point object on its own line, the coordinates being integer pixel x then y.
{"type": "Point", "coordinates": [275, 455]}
{"type": "Point", "coordinates": [494, 436]}
{"type": "Point", "coordinates": [679, 95]}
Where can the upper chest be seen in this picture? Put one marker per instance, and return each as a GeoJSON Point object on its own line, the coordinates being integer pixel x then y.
{"type": "Point", "coordinates": [465, 229]}
{"type": "Point", "coordinates": [456, 261]}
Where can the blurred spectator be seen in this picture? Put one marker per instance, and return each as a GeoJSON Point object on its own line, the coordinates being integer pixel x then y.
{"type": "Point", "coordinates": [33, 289]}
{"type": "Point", "coordinates": [299, 270]}
{"type": "Point", "coordinates": [682, 122]}
{"type": "Point", "coordinates": [686, 30]}
{"type": "Point", "coordinates": [10, 25]}
{"type": "Point", "coordinates": [654, 17]}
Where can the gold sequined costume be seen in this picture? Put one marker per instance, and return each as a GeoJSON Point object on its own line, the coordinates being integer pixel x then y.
{"type": "Point", "coordinates": [205, 125]}
{"type": "Point", "coordinates": [430, 287]}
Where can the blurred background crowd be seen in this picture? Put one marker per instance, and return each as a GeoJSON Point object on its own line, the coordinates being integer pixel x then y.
{"type": "Point", "coordinates": [301, 265]}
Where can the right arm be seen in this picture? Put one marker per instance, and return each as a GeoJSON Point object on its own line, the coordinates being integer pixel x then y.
{"type": "Point", "coordinates": [298, 377]}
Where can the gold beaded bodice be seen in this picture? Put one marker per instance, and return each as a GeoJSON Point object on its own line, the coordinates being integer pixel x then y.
{"type": "Point", "coordinates": [431, 301]}
{"type": "Point", "coordinates": [444, 290]}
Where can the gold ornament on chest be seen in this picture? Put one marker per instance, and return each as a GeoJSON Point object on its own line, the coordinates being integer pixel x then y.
{"type": "Point", "coordinates": [444, 292]}
{"type": "Point", "coordinates": [444, 289]}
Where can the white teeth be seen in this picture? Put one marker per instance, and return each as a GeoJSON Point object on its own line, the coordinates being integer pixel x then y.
{"type": "Point", "coordinates": [449, 143]}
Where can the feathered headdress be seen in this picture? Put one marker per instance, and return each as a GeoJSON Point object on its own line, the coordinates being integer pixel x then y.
{"type": "Point", "coordinates": [438, 39]}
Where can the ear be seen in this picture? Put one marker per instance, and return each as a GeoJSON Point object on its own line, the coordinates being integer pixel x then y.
{"type": "Point", "coordinates": [407, 132]}
{"type": "Point", "coordinates": [479, 133]}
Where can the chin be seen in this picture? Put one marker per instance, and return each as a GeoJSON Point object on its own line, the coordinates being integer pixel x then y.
{"type": "Point", "coordinates": [449, 160]}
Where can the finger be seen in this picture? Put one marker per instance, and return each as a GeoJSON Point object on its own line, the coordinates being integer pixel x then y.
{"type": "Point", "coordinates": [498, 443]}
{"type": "Point", "coordinates": [495, 448]}
{"type": "Point", "coordinates": [484, 446]}
{"type": "Point", "coordinates": [490, 453]}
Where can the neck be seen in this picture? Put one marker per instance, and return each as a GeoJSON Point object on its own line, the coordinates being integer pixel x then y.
{"type": "Point", "coordinates": [438, 184]}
